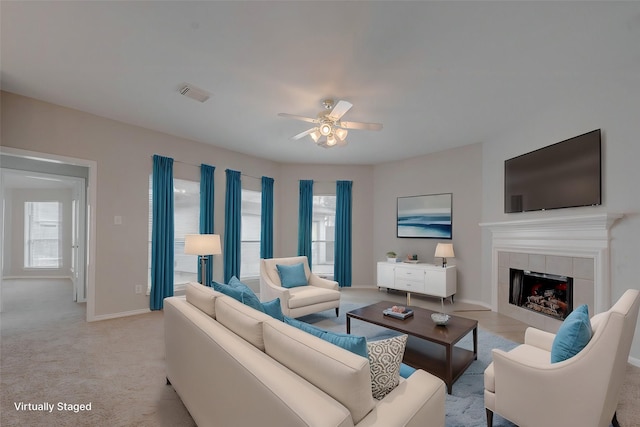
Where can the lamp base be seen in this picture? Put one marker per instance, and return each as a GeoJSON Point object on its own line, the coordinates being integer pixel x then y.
{"type": "Point", "coordinates": [444, 262]}
{"type": "Point", "coordinates": [203, 271]}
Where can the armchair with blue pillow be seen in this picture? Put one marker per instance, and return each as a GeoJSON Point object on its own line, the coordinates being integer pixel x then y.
{"type": "Point", "coordinates": [300, 291]}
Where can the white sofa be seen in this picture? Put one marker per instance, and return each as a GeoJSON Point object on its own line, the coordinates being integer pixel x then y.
{"type": "Point", "coordinates": [235, 366]}
{"type": "Point", "coordinates": [319, 295]}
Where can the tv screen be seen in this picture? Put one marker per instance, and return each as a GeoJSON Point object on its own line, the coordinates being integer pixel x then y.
{"type": "Point", "coordinates": [562, 175]}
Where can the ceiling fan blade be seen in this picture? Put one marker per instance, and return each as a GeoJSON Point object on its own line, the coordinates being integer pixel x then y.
{"type": "Point", "coordinates": [296, 117]}
{"type": "Point", "coordinates": [340, 109]}
{"type": "Point", "coordinates": [359, 125]}
{"type": "Point", "coordinates": [303, 134]}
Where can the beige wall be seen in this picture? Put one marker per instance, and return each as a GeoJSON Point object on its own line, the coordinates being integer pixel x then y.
{"type": "Point", "coordinates": [124, 161]}
{"type": "Point", "coordinates": [325, 177]}
{"type": "Point", "coordinates": [611, 105]}
{"type": "Point", "coordinates": [456, 171]}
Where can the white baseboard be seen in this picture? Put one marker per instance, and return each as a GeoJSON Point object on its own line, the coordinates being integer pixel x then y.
{"type": "Point", "coordinates": [35, 277]}
{"type": "Point", "coordinates": [473, 302]}
{"type": "Point", "coordinates": [117, 315]}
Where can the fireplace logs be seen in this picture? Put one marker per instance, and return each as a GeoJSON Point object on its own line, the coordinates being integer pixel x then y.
{"type": "Point", "coordinates": [547, 294]}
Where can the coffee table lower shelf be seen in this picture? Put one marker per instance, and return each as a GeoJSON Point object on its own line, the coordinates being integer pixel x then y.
{"type": "Point", "coordinates": [432, 357]}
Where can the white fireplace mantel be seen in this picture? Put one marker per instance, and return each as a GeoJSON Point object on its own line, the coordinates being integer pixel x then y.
{"type": "Point", "coordinates": [573, 236]}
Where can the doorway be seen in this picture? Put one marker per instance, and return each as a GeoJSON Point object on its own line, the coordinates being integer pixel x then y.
{"type": "Point", "coordinates": [47, 222]}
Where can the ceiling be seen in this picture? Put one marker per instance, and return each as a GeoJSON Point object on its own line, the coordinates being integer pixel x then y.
{"type": "Point", "coordinates": [437, 75]}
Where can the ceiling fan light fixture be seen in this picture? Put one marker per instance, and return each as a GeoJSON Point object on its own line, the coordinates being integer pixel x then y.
{"type": "Point", "coordinates": [325, 129]}
{"type": "Point", "coordinates": [341, 134]}
{"type": "Point", "coordinates": [331, 140]}
{"type": "Point", "coordinates": [315, 135]}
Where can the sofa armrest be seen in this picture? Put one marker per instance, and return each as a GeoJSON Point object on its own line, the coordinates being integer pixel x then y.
{"type": "Point", "coordinates": [540, 339]}
{"type": "Point", "coordinates": [323, 283]}
{"type": "Point", "coordinates": [522, 386]}
{"type": "Point", "coordinates": [417, 401]}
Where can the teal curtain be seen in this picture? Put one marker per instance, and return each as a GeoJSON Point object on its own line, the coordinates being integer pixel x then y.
{"type": "Point", "coordinates": [162, 232]}
{"type": "Point", "coordinates": [232, 224]}
{"type": "Point", "coordinates": [207, 193]}
{"type": "Point", "coordinates": [305, 218]}
{"type": "Point", "coordinates": [266, 228]}
{"type": "Point", "coordinates": [342, 264]}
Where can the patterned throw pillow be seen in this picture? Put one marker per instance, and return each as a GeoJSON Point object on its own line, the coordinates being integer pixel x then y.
{"type": "Point", "coordinates": [385, 357]}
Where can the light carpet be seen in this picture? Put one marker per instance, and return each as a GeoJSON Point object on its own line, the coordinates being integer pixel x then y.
{"type": "Point", "coordinates": [49, 353]}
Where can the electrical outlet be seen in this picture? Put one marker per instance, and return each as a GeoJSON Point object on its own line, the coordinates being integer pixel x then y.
{"type": "Point", "coordinates": [138, 289]}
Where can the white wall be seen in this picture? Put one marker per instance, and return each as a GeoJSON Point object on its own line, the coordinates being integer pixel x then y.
{"type": "Point", "coordinates": [612, 105]}
{"type": "Point", "coordinates": [456, 171]}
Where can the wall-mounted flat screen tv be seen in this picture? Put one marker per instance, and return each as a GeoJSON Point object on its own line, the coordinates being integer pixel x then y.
{"type": "Point", "coordinates": [563, 175]}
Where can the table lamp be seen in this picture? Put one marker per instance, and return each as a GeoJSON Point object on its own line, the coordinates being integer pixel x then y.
{"type": "Point", "coordinates": [444, 251]}
{"type": "Point", "coordinates": [202, 245]}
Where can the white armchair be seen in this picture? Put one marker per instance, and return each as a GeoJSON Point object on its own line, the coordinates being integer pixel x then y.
{"type": "Point", "coordinates": [523, 386]}
{"type": "Point", "coordinates": [319, 294]}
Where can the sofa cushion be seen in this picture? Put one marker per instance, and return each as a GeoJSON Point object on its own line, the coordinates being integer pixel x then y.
{"type": "Point", "coordinates": [243, 320]}
{"type": "Point", "coordinates": [202, 297]}
{"type": "Point", "coordinates": [273, 309]}
{"type": "Point", "coordinates": [574, 334]}
{"type": "Point", "coordinates": [353, 343]}
{"type": "Point", "coordinates": [292, 276]}
{"type": "Point", "coordinates": [526, 353]}
{"type": "Point", "coordinates": [385, 358]}
{"type": "Point", "coordinates": [339, 373]}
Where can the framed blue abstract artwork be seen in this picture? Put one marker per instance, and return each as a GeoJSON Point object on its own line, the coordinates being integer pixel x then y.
{"type": "Point", "coordinates": [426, 216]}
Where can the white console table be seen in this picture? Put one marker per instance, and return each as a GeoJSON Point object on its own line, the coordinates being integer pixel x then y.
{"type": "Point", "coordinates": [427, 279]}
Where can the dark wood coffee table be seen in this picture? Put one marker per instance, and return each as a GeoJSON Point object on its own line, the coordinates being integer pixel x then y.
{"type": "Point", "coordinates": [429, 347]}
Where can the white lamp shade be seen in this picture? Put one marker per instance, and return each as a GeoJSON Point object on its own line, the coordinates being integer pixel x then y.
{"type": "Point", "coordinates": [444, 250]}
{"type": "Point", "coordinates": [202, 244]}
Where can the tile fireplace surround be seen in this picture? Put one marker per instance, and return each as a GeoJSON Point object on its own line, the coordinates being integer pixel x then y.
{"type": "Point", "coordinates": [575, 246]}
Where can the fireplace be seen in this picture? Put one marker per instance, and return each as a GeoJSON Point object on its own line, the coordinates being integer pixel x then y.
{"type": "Point", "coordinates": [575, 246]}
{"type": "Point", "coordinates": [544, 293]}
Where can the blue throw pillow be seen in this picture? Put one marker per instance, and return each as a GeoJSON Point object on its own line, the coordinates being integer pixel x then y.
{"type": "Point", "coordinates": [574, 334]}
{"type": "Point", "coordinates": [352, 343]}
{"type": "Point", "coordinates": [292, 276]}
{"type": "Point", "coordinates": [248, 296]}
{"type": "Point", "coordinates": [236, 294]}
{"type": "Point", "coordinates": [273, 309]}
{"type": "Point", "coordinates": [240, 292]}
{"type": "Point", "coordinates": [406, 370]}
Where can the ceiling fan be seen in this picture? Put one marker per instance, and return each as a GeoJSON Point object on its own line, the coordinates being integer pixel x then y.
{"type": "Point", "coordinates": [330, 131]}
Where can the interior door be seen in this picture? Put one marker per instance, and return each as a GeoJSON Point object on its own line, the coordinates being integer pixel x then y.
{"type": "Point", "coordinates": [78, 232]}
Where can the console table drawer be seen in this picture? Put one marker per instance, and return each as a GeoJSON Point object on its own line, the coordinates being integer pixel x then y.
{"type": "Point", "coordinates": [409, 274]}
{"type": "Point", "coordinates": [410, 285]}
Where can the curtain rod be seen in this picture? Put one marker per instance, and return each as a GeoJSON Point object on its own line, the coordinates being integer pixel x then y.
{"type": "Point", "coordinates": [197, 166]}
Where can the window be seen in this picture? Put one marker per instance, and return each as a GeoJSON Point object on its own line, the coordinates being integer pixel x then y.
{"type": "Point", "coordinates": [186, 220]}
{"type": "Point", "coordinates": [323, 234]}
{"type": "Point", "coordinates": [42, 234]}
{"type": "Point", "coordinates": [250, 233]}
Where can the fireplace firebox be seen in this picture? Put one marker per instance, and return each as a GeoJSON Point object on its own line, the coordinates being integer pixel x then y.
{"type": "Point", "coordinates": [544, 293]}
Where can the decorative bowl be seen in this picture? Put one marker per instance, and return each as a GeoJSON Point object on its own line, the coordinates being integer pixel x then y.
{"type": "Point", "coordinates": [440, 319]}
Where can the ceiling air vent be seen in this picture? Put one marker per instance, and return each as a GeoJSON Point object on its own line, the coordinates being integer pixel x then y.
{"type": "Point", "coordinates": [193, 92]}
